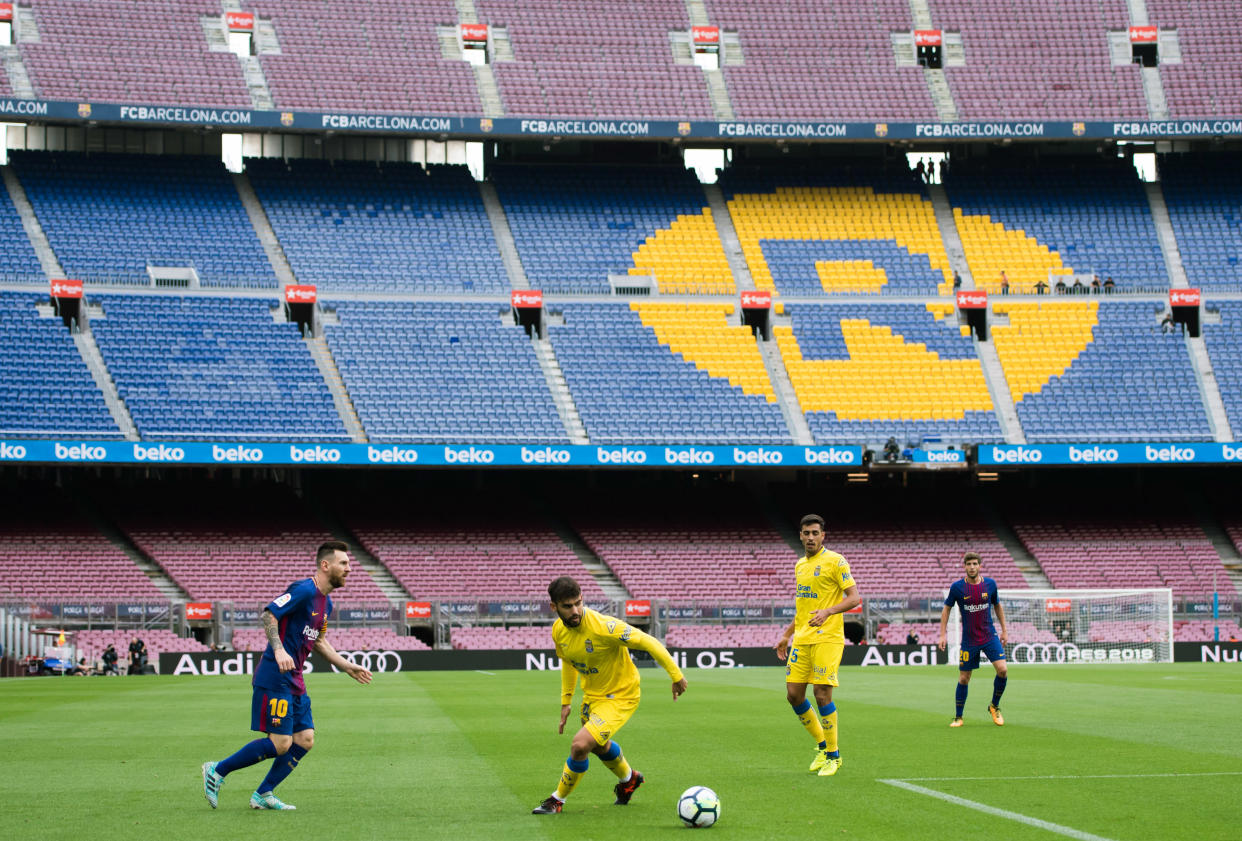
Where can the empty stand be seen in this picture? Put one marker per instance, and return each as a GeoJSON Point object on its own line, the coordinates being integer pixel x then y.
{"type": "Point", "coordinates": [1205, 630]}
{"type": "Point", "coordinates": [528, 637]}
{"type": "Point", "coordinates": [716, 636]}
{"type": "Point", "coordinates": [147, 51]}
{"type": "Point", "coordinates": [393, 227]}
{"type": "Point", "coordinates": [595, 58]}
{"type": "Point", "coordinates": [1200, 86]}
{"type": "Point", "coordinates": [365, 55]}
{"type": "Point", "coordinates": [45, 387]}
{"type": "Point", "coordinates": [109, 216]}
{"type": "Point", "coordinates": [443, 373]}
{"type": "Point", "coordinates": [1064, 72]}
{"type": "Point", "coordinates": [1224, 344]}
{"type": "Point", "coordinates": [1123, 378]}
{"type": "Point", "coordinates": [1026, 217]}
{"type": "Point", "coordinates": [91, 644]}
{"type": "Point", "coordinates": [212, 368]}
{"type": "Point", "coordinates": [575, 225]}
{"type": "Point", "coordinates": [864, 372]}
{"type": "Point", "coordinates": [18, 263]}
{"type": "Point", "coordinates": [1204, 195]}
{"type": "Point", "coordinates": [341, 638]}
{"type": "Point", "coordinates": [806, 60]}
{"type": "Point", "coordinates": [631, 388]}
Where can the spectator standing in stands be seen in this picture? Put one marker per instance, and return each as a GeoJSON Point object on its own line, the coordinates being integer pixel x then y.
{"type": "Point", "coordinates": [596, 647]}
{"type": "Point", "coordinates": [1041, 287]}
{"type": "Point", "coordinates": [957, 281]}
{"type": "Point", "coordinates": [1109, 286]}
{"type": "Point", "coordinates": [1060, 288]}
{"type": "Point", "coordinates": [912, 638]}
{"type": "Point", "coordinates": [825, 591]}
{"type": "Point", "coordinates": [1004, 284]}
{"type": "Point", "coordinates": [1095, 285]}
{"type": "Point", "coordinates": [975, 597]}
{"type": "Point", "coordinates": [918, 169]}
{"type": "Point", "coordinates": [109, 660]}
{"type": "Point", "coordinates": [296, 623]}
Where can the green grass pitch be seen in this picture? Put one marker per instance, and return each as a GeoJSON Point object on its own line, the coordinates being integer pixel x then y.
{"type": "Point", "coordinates": [1115, 752]}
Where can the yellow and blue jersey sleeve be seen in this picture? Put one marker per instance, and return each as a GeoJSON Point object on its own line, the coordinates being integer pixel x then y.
{"type": "Point", "coordinates": [821, 583]}
{"type": "Point", "coordinates": [597, 651]}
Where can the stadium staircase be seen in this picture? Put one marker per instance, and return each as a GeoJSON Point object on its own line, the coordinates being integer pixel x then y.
{"type": "Point", "coordinates": [263, 229]}
{"type": "Point", "coordinates": [786, 397]}
{"type": "Point", "coordinates": [1002, 397]}
{"type": "Point", "coordinates": [1224, 547]}
{"type": "Point", "coordinates": [949, 235]}
{"type": "Point", "coordinates": [380, 574]}
{"type": "Point", "coordinates": [504, 236]}
{"type": "Point", "coordinates": [15, 69]}
{"type": "Point", "coordinates": [152, 570]}
{"type": "Point", "coordinates": [84, 340]}
{"type": "Point", "coordinates": [561, 396]}
{"type": "Point", "coordinates": [600, 571]}
{"type": "Point", "coordinates": [717, 90]}
{"type": "Point", "coordinates": [484, 78]}
{"type": "Point", "coordinates": [326, 363]}
{"type": "Point", "coordinates": [937, 84]}
{"type": "Point", "coordinates": [728, 237]}
{"type": "Point", "coordinates": [1205, 374]}
{"type": "Point", "coordinates": [1026, 562]}
{"type": "Point", "coordinates": [30, 223]}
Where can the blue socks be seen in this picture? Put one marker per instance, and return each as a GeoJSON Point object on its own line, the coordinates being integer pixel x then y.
{"type": "Point", "coordinates": [998, 689]}
{"type": "Point", "coordinates": [281, 768]}
{"type": "Point", "coordinates": [256, 751]}
{"type": "Point", "coordinates": [961, 698]}
{"type": "Point", "coordinates": [579, 766]}
{"type": "Point", "coordinates": [614, 750]}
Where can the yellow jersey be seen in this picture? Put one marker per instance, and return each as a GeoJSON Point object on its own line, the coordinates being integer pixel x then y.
{"type": "Point", "coordinates": [598, 652]}
{"type": "Point", "coordinates": [822, 580]}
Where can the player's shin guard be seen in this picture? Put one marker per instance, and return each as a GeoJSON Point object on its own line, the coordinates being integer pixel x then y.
{"type": "Point", "coordinates": [250, 754]}
{"type": "Point", "coordinates": [962, 689]}
{"type": "Point", "coordinates": [810, 720]}
{"type": "Point", "coordinates": [998, 689]}
{"type": "Point", "coordinates": [281, 768]}
{"type": "Point", "coordinates": [614, 760]}
{"type": "Point", "coordinates": [828, 720]}
{"type": "Point", "coordinates": [574, 769]}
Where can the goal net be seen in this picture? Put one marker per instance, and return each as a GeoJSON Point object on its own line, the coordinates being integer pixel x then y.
{"type": "Point", "coordinates": [1082, 626]}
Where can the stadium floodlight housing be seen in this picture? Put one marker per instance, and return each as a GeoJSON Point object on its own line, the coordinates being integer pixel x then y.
{"type": "Point", "coordinates": [1082, 626]}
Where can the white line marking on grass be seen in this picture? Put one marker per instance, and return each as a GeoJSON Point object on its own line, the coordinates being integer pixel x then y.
{"type": "Point", "coordinates": [1074, 777]}
{"type": "Point", "coordinates": [481, 672]}
{"type": "Point", "coordinates": [1067, 831]}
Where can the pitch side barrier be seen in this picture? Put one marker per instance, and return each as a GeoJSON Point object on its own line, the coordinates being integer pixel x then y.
{"type": "Point", "coordinates": [1037, 455]}
{"type": "Point", "coordinates": [243, 663]}
{"type": "Point", "coordinates": [238, 453]}
{"type": "Point", "coordinates": [239, 119]}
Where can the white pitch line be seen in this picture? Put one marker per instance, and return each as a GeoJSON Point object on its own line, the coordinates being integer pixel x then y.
{"type": "Point", "coordinates": [1073, 777]}
{"type": "Point", "coordinates": [1067, 831]}
{"type": "Point", "coordinates": [481, 672]}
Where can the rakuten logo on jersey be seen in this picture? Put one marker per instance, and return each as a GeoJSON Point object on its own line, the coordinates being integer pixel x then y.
{"type": "Point", "coordinates": [757, 456]}
{"type": "Point", "coordinates": [1170, 453]}
{"type": "Point", "coordinates": [80, 452]}
{"type": "Point", "coordinates": [690, 455]}
{"type": "Point", "coordinates": [623, 455]}
{"type": "Point", "coordinates": [392, 455]}
{"type": "Point", "coordinates": [469, 455]}
{"type": "Point", "coordinates": [314, 455]}
{"type": "Point", "coordinates": [1093, 455]}
{"type": "Point", "coordinates": [544, 455]}
{"type": "Point", "coordinates": [236, 455]}
{"type": "Point", "coordinates": [12, 451]}
{"type": "Point", "coordinates": [1018, 455]}
{"type": "Point", "coordinates": [829, 456]}
{"type": "Point", "coordinates": [160, 453]}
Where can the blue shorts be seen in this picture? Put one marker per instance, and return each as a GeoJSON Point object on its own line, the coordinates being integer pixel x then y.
{"type": "Point", "coordinates": [272, 711]}
{"type": "Point", "coordinates": [969, 656]}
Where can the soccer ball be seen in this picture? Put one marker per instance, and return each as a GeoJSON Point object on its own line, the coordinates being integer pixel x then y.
{"type": "Point", "coordinates": [698, 806]}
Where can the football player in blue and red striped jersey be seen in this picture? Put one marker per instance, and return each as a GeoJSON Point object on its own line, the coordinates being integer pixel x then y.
{"type": "Point", "coordinates": [975, 597]}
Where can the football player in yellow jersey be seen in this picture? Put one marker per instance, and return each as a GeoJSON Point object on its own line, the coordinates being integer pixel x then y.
{"type": "Point", "coordinates": [826, 590]}
{"type": "Point", "coordinates": [594, 649]}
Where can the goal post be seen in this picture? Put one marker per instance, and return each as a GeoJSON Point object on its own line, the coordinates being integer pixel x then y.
{"type": "Point", "coordinates": [1082, 626]}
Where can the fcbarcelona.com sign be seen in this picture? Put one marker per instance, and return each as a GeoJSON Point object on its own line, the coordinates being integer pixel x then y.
{"type": "Point", "coordinates": [431, 455]}
{"type": "Point", "coordinates": [548, 125]}
{"type": "Point", "coordinates": [1036, 455]}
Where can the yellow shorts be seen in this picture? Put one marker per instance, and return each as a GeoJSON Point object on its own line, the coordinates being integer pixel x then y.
{"type": "Point", "coordinates": [816, 663]}
{"type": "Point", "coordinates": [605, 716]}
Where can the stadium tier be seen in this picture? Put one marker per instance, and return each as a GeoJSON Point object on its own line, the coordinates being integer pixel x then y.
{"type": "Point", "coordinates": [1192, 86]}
{"type": "Point", "coordinates": [1081, 550]}
{"type": "Point", "coordinates": [844, 361]}
{"type": "Point", "coordinates": [803, 59]}
{"type": "Point", "coordinates": [46, 389]}
{"type": "Point", "coordinates": [636, 380]}
{"type": "Point", "coordinates": [528, 637]}
{"type": "Point", "coordinates": [1204, 198]}
{"type": "Point", "coordinates": [91, 644]}
{"type": "Point", "coordinates": [1224, 346]}
{"type": "Point", "coordinates": [1064, 73]}
{"type": "Point", "coordinates": [364, 55]}
{"type": "Point", "coordinates": [576, 225]}
{"type": "Point", "coordinates": [429, 372]}
{"type": "Point", "coordinates": [1205, 630]}
{"type": "Point", "coordinates": [148, 51]}
{"type": "Point", "coordinates": [395, 227]}
{"type": "Point", "coordinates": [718, 636]}
{"type": "Point", "coordinates": [1035, 220]}
{"type": "Point", "coordinates": [896, 633]}
{"type": "Point", "coordinates": [595, 58]}
{"type": "Point", "coordinates": [213, 368]}
{"type": "Point", "coordinates": [51, 560]}
{"type": "Point", "coordinates": [1111, 373]}
{"type": "Point", "coordinates": [108, 217]}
